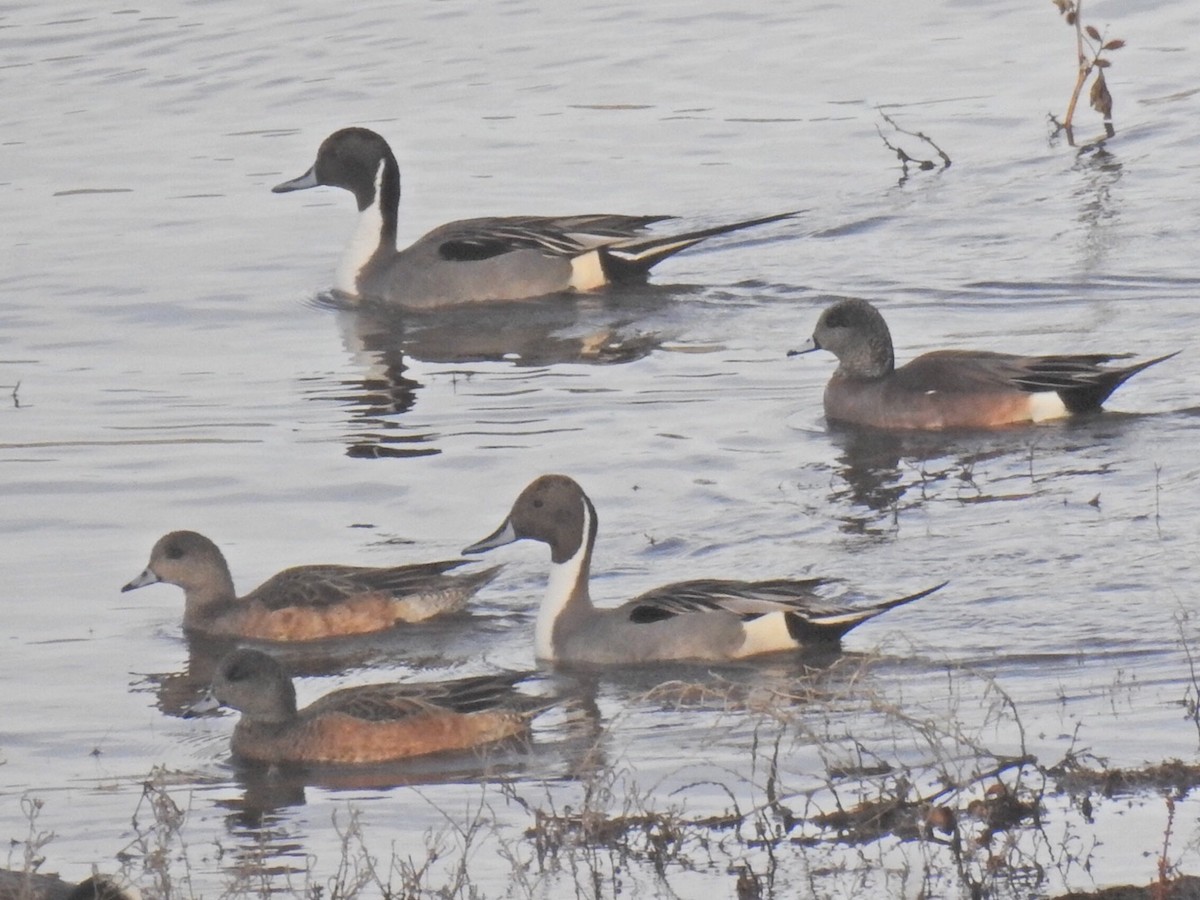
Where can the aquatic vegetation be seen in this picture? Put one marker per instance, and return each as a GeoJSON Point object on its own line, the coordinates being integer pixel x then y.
{"type": "Point", "coordinates": [1091, 46]}
{"type": "Point", "coordinates": [850, 788]}
{"type": "Point", "coordinates": [906, 160]}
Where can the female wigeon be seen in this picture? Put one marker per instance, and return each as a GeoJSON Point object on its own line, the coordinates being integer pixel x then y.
{"type": "Point", "coordinates": [36, 886]}
{"type": "Point", "coordinates": [370, 723]}
{"type": "Point", "coordinates": [304, 603]}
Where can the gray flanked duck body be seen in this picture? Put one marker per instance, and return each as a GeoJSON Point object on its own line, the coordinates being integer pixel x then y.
{"type": "Point", "coordinates": [478, 260]}
{"type": "Point", "coordinates": [704, 619]}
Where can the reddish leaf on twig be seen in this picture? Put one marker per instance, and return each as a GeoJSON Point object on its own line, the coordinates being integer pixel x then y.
{"type": "Point", "coordinates": [1092, 33]}
{"type": "Point", "coordinates": [1114, 44]}
{"type": "Point", "coordinates": [1100, 98]}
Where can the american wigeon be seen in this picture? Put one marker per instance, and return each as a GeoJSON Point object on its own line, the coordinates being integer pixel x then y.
{"type": "Point", "coordinates": [304, 603]}
{"type": "Point", "coordinates": [371, 723]}
{"type": "Point", "coordinates": [706, 619]}
{"type": "Point", "coordinates": [474, 260]}
{"type": "Point", "coordinates": [35, 886]}
{"type": "Point", "coordinates": [952, 388]}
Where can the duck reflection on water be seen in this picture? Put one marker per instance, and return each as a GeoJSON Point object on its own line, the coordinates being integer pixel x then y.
{"type": "Point", "coordinates": [553, 331]}
{"type": "Point", "coordinates": [880, 475]}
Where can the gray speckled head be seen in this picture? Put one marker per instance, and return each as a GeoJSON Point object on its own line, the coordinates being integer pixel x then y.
{"type": "Point", "coordinates": [255, 684]}
{"type": "Point", "coordinates": [855, 332]}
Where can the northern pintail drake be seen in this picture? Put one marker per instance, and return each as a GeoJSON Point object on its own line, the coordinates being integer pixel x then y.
{"type": "Point", "coordinates": [370, 723]}
{"type": "Point", "coordinates": [304, 603]}
{"type": "Point", "coordinates": [952, 388]}
{"type": "Point", "coordinates": [476, 260]}
{"type": "Point", "coordinates": [707, 619]}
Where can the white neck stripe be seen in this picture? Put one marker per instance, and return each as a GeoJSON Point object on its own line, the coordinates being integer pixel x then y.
{"type": "Point", "coordinates": [364, 242]}
{"type": "Point", "coordinates": [560, 587]}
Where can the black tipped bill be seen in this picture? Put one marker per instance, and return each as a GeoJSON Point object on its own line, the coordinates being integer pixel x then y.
{"type": "Point", "coordinates": [307, 180]}
{"type": "Point", "coordinates": [206, 704]}
{"type": "Point", "coordinates": [147, 577]}
{"type": "Point", "coordinates": [505, 534]}
{"type": "Point", "coordinates": [807, 347]}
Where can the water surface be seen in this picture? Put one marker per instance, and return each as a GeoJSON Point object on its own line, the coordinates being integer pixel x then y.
{"type": "Point", "coordinates": [167, 363]}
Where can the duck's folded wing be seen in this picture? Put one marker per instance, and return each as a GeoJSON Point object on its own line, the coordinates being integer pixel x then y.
{"type": "Point", "coordinates": [323, 586]}
{"type": "Point", "coordinates": [393, 702]}
{"type": "Point", "coordinates": [746, 599]}
{"type": "Point", "coordinates": [978, 371]}
{"type": "Point", "coordinates": [473, 240]}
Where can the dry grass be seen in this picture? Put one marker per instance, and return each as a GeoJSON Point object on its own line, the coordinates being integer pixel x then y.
{"type": "Point", "coordinates": [906, 800]}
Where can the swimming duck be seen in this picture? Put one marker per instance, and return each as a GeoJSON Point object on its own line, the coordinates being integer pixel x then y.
{"type": "Point", "coordinates": [475, 260]}
{"type": "Point", "coordinates": [303, 603]}
{"type": "Point", "coordinates": [706, 619]}
{"type": "Point", "coordinates": [370, 723]}
{"type": "Point", "coordinates": [36, 886]}
{"type": "Point", "coordinates": [952, 388]}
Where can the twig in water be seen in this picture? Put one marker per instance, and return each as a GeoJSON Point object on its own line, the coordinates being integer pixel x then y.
{"type": "Point", "coordinates": [923, 165]}
{"type": "Point", "coordinates": [1165, 868]}
{"type": "Point", "coordinates": [1191, 699]}
{"type": "Point", "coordinates": [1090, 47]}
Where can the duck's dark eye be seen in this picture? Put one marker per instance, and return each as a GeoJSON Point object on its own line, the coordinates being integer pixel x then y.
{"type": "Point", "coordinates": [238, 670]}
{"type": "Point", "coordinates": [538, 504]}
{"type": "Point", "coordinates": [174, 551]}
{"type": "Point", "coordinates": [837, 319]}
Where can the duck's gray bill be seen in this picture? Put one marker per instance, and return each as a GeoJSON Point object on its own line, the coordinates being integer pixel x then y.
{"type": "Point", "coordinates": [147, 577]}
{"type": "Point", "coordinates": [205, 704]}
{"type": "Point", "coordinates": [307, 180]}
{"type": "Point", "coordinates": [807, 347]}
{"type": "Point", "coordinates": [505, 534]}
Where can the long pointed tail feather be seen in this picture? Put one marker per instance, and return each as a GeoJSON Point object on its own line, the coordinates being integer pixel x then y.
{"type": "Point", "coordinates": [831, 627]}
{"type": "Point", "coordinates": [634, 258]}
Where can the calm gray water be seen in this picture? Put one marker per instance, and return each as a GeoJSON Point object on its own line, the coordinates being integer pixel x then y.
{"type": "Point", "coordinates": [165, 363]}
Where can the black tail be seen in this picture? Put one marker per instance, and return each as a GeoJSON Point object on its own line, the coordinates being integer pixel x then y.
{"type": "Point", "coordinates": [632, 260]}
{"type": "Point", "coordinates": [829, 628]}
{"type": "Point", "coordinates": [1090, 396]}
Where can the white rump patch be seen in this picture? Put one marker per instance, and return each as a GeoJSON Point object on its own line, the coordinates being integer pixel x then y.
{"type": "Point", "coordinates": [1046, 405]}
{"type": "Point", "coordinates": [766, 634]}
{"type": "Point", "coordinates": [587, 274]}
{"type": "Point", "coordinates": [363, 243]}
